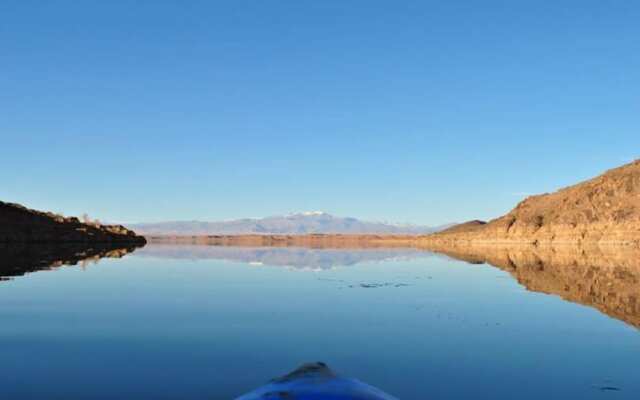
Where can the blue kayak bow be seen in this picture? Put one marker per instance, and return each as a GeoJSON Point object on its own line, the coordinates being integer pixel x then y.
{"type": "Point", "coordinates": [315, 381]}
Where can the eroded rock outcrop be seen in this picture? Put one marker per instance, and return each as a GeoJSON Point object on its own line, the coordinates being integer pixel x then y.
{"type": "Point", "coordinates": [603, 210]}
{"type": "Point", "coordinates": [19, 224]}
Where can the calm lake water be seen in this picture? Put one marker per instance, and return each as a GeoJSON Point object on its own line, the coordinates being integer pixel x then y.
{"type": "Point", "coordinates": [201, 322]}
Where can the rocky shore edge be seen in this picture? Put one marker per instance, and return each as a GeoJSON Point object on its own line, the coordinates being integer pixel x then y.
{"type": "Point", "coordinates": [19, 224]}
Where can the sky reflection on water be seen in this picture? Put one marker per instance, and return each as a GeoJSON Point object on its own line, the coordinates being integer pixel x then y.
{"type": "Point", "coordinates": [186, 323]}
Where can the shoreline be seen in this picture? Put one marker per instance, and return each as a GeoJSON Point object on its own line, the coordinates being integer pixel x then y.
{"type": "Point", "coordinates": [370, 240]}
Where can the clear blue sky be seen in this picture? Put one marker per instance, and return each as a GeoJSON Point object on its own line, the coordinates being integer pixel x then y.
{"type": "Point", "coordinates": [408, 111]}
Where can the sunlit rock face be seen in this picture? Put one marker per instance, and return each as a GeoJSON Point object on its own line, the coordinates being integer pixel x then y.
{"type": "Point", "coordinates": [315, 381]}
{"type": "Point", "coordinates": [21, 259]}
{"type": "Point", "coordinates": [604, 210]}
{"type": "Point", "coordinates": [603, 277]}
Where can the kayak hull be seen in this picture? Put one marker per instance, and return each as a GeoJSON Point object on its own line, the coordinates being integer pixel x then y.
{"type": "Point", "coordinates": [315, 381]}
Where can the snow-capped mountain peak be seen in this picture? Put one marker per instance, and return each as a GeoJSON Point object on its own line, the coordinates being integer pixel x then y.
{"type": "Point", "coordinates": [307, 222]}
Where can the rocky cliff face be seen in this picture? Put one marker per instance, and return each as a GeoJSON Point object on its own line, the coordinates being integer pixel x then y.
{"type": "Point", "coordinates": [603, 210]}
{"type": "Point", "coordinates": [19, 224]}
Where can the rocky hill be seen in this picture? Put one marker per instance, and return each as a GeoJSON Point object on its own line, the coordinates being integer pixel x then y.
{"type": "Point", "coordinates": [604, 210]}
{"type": "Point", "coordinates": [19, 224]}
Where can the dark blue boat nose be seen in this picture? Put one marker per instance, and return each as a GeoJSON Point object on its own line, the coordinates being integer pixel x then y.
{"type": "Point", "coordinates": [315, 381]}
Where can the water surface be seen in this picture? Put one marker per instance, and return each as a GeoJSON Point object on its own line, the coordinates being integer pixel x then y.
{"type": "Point", "coordinates": [204, 322]}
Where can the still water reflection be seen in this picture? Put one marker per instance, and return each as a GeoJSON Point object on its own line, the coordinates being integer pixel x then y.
{"type": "Point", "coordinates": [205, 322]}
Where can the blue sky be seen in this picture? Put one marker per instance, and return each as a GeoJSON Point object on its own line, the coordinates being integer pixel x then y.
{"type": "Point", "coordinates": [412, 111]}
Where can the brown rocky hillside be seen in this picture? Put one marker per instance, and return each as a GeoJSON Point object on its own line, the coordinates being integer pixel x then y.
{"type": "Point", "coordinates": [19, 224]}
{"type": "Point", "coordinates": [604, 210]}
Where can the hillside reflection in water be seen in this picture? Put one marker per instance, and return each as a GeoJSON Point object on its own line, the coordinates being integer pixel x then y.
{"type": "Point", "coordinates": [606, 278]}
{"type": "Point", "coordinates": [196, 321]}
{"type": "Point", "coordinates": [21, 259]}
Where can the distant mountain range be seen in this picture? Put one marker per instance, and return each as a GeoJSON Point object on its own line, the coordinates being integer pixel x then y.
{"type": "Point", "coordinates": [293, 224]}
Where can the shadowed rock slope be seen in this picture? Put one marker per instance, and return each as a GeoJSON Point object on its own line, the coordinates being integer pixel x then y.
{"type": "Point", "coordinates": [19, 224]}
{"type": "Point", "coordinates": [604, 210]}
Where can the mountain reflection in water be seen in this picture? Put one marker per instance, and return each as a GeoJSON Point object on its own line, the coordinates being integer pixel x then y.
{"type": "Point", "coordinates": [159, 325]}
{"type": "Point", "coordinates": [302, 258]}
{"type": "Point", "coordinates": [605, 278]}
